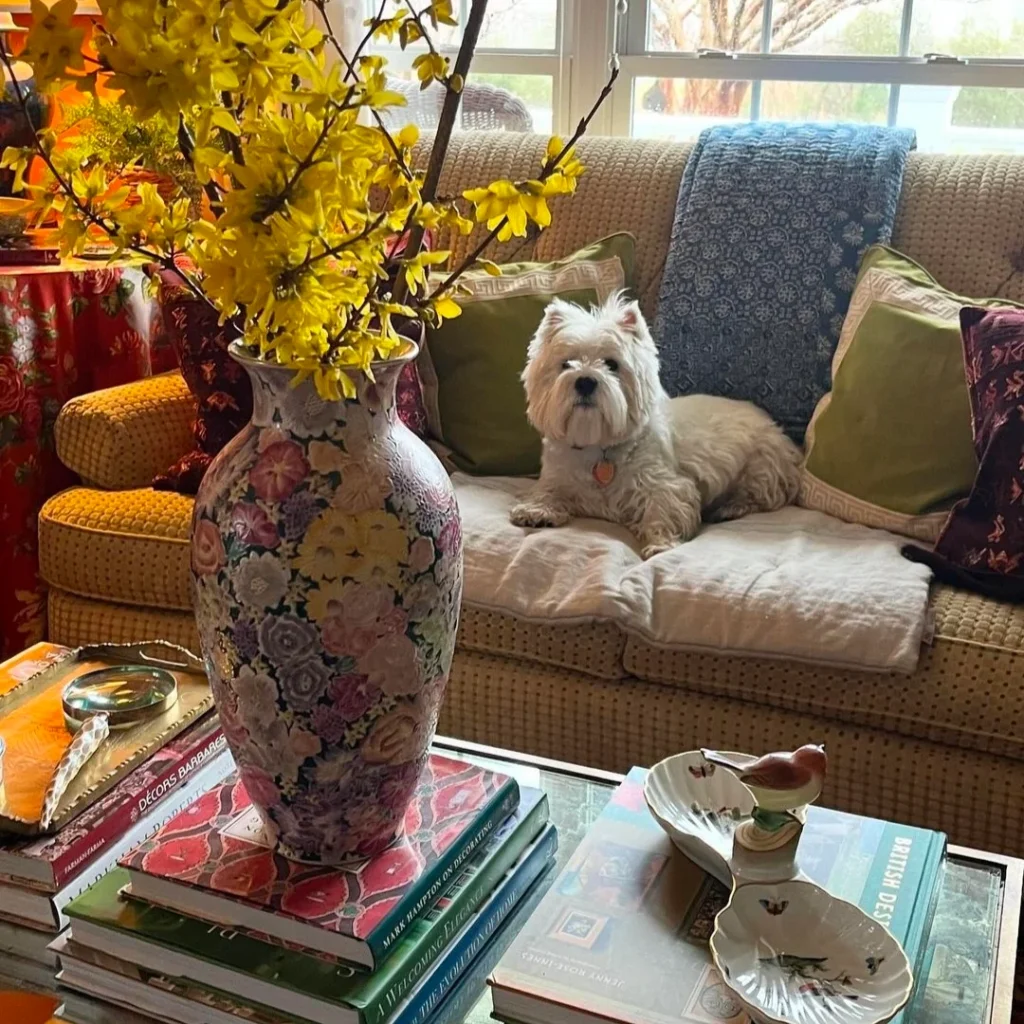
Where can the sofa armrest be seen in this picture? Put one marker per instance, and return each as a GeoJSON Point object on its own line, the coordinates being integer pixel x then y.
{"type": "Point", "coordinates": [122, 437]}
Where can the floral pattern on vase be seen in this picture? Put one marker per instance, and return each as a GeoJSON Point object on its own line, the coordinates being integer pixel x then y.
{"type": "Point", "coordinates": [327, 564]}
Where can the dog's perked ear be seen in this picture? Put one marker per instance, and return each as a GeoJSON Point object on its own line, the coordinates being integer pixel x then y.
{"type": "Point", "coordinates": [624, 312]}
{"type": "Point", "coordinates": [555, 316]}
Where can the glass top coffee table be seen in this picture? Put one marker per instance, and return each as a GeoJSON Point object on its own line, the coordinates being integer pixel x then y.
{"type": "Point", "coordinates": [973, 939]}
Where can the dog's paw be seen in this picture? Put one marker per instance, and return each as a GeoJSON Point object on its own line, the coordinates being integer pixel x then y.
{"type": "Point", "coordinates": [656, 548]}
{"type": "Point", "coordinates": [537, 516]}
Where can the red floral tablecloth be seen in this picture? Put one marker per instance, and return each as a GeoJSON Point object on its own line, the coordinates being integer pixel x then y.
{"type": "Point", "coordinates": [63, 331]}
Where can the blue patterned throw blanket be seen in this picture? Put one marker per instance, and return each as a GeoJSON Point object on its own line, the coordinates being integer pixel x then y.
{"type": "Point", "coordinates": [770, 225]}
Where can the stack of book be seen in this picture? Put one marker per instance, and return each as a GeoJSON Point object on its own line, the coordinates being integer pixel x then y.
{"type": "Point", "coordinates": [205, 924]}
{"type": "Point", "coordinates": [41, 874]}
{"type": "Point", "coordinates": [622, 935]}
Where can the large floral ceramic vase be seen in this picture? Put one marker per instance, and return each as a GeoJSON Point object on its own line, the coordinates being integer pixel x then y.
{"type": "Point", "coordinates": [327, 562]}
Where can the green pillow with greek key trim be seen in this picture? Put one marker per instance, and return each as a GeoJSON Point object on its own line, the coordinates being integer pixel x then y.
{"type": "Point", "coordinates": [890, 446]}
{"type": "Point", "coordinates": [471, 366]}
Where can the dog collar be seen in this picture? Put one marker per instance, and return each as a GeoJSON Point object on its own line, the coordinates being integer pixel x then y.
{"type": "Point", "coordinates": [603, 469]}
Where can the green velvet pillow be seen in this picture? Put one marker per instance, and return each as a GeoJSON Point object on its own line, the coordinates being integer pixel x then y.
{"type": "Point", "coordinates": [471, 365]}
{"type": "Point", "coordinates": [891, 446]}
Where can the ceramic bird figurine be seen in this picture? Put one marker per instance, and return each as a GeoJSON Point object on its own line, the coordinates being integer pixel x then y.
{"type": "Point", "coordinates": [779, 782]}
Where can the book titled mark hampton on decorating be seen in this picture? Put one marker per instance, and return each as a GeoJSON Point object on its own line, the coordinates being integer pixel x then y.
{"type": "Point", "coordinates": [213, 862]}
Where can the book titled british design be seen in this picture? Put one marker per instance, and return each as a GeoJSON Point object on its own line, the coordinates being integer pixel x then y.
{"type": "Point", "coordinates": [623, 933]}
{"type": "Point", "coordinates": [215, 862]}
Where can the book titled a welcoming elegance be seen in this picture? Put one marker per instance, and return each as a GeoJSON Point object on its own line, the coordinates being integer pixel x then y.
{"type": "Point", "coordinates": [213, 861]}
{"type": "Point", "coordinates": [313, 987]}
{"type": "Point", "coordinates": [622, 935]}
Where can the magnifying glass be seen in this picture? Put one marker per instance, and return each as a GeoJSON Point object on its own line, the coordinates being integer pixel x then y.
{"type": "Point", "coordinates": [126, 694]}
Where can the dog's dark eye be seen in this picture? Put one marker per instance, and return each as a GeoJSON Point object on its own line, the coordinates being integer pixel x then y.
{"type": "Point", "coordinates": [567, 365]}
{"type": "Point", "coordinates": [612, 364]}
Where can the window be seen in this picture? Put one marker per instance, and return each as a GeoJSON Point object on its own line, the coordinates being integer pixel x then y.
{"type": "Point", "coordinates": [951, 69]}
{"type": "Point", "coordinates": [516, 82]}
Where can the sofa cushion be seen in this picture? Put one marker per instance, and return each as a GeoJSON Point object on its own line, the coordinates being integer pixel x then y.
{"type": "Point", "coordinates": [792, 583]}
{"type": "Point", "coordinates": [966, 691]}
{"type": "Point", "coordinates": [120, 437]}
{"type": "Point", "coordinates": [890, 445]}
{"type": "Point", "coordinates": [74, 620]}
{"type": "Point", "coordinates": [471, 365]}
{"type": "Point", "coordinates": [126, 546]}
{"type": "Point", "coordinates": [593, 648]}
{"type": "Point", "coordinates": [982, 543]}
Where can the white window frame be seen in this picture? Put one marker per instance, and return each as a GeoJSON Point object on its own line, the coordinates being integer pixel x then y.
{"type": "Point", "coordinates": [590, 33]}
{"type": "Point", "coordinates": [637, 61]}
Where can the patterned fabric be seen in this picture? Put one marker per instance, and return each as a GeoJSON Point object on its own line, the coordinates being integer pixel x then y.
{"type": "Point", "coordinates": [770, 225]}
{"type": "Point", "coordinates": [221, 388]}
{"type": "Point", "coordinates": [64, 331]}
{"type": "Point", "coordinates": [982, 544]}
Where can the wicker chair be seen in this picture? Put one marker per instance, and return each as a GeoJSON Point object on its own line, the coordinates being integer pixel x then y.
{"type": "Point", "coordinates": [484, 108]}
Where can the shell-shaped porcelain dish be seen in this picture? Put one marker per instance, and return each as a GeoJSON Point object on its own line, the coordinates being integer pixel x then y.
{"type": "Point", "coordinates": [794, 954]}
{"type": "Point", "coordinates": [699, 805]}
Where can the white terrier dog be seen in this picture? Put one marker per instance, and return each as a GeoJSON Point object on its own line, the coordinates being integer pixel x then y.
{"type": "Point", "coordinates": [616, 447]}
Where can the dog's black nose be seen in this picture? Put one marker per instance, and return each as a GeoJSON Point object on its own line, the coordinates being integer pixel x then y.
{"type": "Point", "coordinates": [585, 386]}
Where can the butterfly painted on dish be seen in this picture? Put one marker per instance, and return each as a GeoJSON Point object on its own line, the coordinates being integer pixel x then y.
{"type": "Point", "coordinates": [874, 962]}
{"type": "Point", "coordinates": [775, 907]}
{"type": "Point", "coordinates": [704, 771]}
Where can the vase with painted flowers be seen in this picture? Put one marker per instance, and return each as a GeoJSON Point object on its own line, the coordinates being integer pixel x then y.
{"type": "Point", "coordinates": [327, 558]}
{"type": "Point", "coordinates": [326, 543]}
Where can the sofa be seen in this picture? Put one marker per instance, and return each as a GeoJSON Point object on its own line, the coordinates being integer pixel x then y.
{"type": "Point", "coordinates": [942, 748]}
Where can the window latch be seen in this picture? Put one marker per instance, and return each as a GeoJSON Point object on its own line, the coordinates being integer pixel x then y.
{"type": "Point", "coordinates": [944, 58]}
{"type": "Point", "coordinates": [710, 51]}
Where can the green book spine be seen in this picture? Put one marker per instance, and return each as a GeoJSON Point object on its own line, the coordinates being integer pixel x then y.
{"type": "Point", "coordinates": [383, 990]}
{"type": "Point", "coordinates": [436, 882]}
{"type": "Point", "coordinates": [336, 983]}
{"type": "Point", "coordinates": [917, 945]}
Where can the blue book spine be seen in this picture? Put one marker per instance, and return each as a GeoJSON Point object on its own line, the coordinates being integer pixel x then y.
{"type": "Point", "coordinates": [446, 971]}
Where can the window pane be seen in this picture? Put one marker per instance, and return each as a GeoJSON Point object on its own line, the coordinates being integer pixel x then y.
{"type": "Point", "coordinates": [949, 119]}
{"type": "Point", "coordinates": [824, 101]}
{"type": "Point", "coordinates": [520, 25]}
{"type": "Point", "coordinates": [837, 27]}
{"type": "Point", "coordinates": [968, 28]}
{"type": "Point", "coordinates": [688, 25]}
{"type": "Point", "coordinates": [508, 24]}
{"type": "Point", "coordinates": [680, 108]}
{"type": "Point", "coordinates": [513, 102]}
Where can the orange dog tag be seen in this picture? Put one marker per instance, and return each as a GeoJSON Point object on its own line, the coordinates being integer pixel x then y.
{"type": "Point", "coordinates": [604, 472]}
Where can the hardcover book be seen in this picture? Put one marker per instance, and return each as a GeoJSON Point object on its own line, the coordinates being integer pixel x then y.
{"type": "Point", "coordinates": [47, 862]}
{"type": "Point", "coordinates": [311, 986]}
{"type": "Point", "coordinates": [214, 861]}
{"type": "Point", "coordinates": [112, 977]}
{"type": "Point", "coordinates": [46, 910]}
{"type": "Point", "coordinates": [623, 933]}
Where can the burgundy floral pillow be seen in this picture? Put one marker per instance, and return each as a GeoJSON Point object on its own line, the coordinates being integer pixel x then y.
{"type": "Point", "coordinates": [220, 386]}
{"type": "Point", "coordinates": [982, 544]}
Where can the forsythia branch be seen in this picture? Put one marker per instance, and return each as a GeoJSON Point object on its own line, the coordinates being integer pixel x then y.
{"type": "Point", "coordinates": [548, 169]}
{"type": "Point", "coordinates": [167, 262]}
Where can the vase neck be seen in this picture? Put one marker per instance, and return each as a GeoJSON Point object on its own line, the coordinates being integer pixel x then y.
{"type": "Point", "coordinates": [299, 409]}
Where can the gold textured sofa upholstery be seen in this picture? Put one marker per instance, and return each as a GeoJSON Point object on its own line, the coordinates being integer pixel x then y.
{"type": "Point", "coordinates": [942, 748]}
